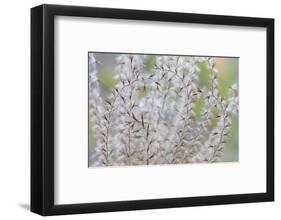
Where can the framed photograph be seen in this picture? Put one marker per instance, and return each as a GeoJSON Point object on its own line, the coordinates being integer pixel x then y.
{"type": "Point", "coordinates": [139, 109]}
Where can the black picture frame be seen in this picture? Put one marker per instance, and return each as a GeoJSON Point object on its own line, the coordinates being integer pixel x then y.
{"type": "Point", "coordinates": [42, 109]}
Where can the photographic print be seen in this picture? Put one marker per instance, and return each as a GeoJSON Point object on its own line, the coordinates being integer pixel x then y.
{"type": "Point", "coordinates": [149, 109]}
{"type": "Point", "coordinates": [171, 110]}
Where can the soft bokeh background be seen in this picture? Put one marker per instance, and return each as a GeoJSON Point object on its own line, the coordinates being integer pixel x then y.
{"type": "Point", "coordinates": [227, 73]}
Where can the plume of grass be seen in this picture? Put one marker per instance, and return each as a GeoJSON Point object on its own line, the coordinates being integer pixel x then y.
{"type": "Point", "coordinates": [149, 116]}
